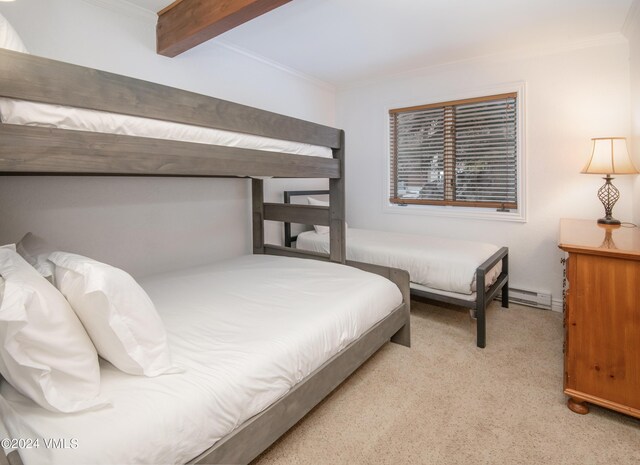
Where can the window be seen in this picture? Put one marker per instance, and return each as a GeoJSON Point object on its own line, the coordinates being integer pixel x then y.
{"type": "Point", "coordinates": [458, 153]}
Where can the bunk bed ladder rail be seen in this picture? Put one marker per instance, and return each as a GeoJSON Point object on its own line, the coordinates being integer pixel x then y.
{"type": "Point", "coordinates": [332, 216]}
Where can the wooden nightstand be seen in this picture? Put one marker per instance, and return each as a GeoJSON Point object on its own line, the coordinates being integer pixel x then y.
{"type": "Point", "coordinates": [602, 316]}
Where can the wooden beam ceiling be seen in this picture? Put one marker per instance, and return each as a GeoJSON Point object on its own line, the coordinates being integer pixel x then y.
{"type": "Point", "coordinates": [187, 23]}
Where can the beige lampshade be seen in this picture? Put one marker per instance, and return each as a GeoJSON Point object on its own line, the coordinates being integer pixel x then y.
{"type": "Point", "coordinates": [610, 155]}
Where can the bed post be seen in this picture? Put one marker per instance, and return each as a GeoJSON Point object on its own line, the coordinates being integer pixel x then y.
{"type": "Point", "coordinates": [401, 279]}
{"type": "Point", "coordinates": [257, 200]}
{"type": "Point", "coordinates": [337, 248]}
{"type": "Point", "coordinates": [481, 309]}
{"type": "Point", "coordinates": [505, 287]}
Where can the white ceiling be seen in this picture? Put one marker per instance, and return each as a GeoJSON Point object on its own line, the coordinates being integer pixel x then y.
{"type": "Point", "coordinates": [342, 41]}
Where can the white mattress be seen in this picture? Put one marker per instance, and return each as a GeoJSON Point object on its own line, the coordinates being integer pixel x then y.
{"type": "Point", "coordinates": [27, 113]}
{"type": "Point", "coordinates": [469, 297]}
{"type": "Point", "coordinates": [244, 331]}
{"type": "Point", "coordinates": [434, 262]}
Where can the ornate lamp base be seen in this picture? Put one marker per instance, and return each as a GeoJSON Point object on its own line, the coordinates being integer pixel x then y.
{"type": "Point", "coordinates": [608, 195]}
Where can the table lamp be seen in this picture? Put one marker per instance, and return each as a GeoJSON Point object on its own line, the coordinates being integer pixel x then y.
{"type": "Point", "coordinates": [609, 156]}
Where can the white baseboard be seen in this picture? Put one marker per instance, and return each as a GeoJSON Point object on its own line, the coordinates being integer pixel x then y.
{"type": "Point", "coordinates": [556, 305]}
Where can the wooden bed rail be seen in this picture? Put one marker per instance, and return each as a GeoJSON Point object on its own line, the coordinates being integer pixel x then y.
{"type": "Point", "coordinates": [38, 150]}
{"type": "Point", "coordinates": [305, 214]}
{"type": "Point", "coordinates": [37, 79]}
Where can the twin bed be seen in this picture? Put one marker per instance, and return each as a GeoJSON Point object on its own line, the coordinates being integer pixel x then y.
{"type": "Point", "coordinates": [260, 339]}
{"type": "Point", "coordinates": [464, 273]}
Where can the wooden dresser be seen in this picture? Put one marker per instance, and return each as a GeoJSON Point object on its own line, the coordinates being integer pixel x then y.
{"type": "Point", "coordinates": [602, 316]}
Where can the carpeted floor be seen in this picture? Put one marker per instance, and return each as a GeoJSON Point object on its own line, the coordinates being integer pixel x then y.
{"type": "Point", "coordinates": [444, 401]}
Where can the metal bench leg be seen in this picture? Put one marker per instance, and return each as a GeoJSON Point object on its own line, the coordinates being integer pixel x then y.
{"type": "Point", "coordinates": [481, 337]}
{"type": "Point", "coordinates": [505, 295]}
{"type": "Point", "coordinates": [505, 288]}
{"type": "Point", "coordinates": [480, 310]}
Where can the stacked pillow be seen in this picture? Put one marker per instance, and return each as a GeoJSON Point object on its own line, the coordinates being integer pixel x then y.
{"type": "Point", "coordinates": [45, 353]}
{"type": "Point", "coordinates": [49, 336]}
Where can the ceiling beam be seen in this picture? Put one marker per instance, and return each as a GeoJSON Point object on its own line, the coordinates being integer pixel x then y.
{"type": "Point", "coordinates": [187, 23]}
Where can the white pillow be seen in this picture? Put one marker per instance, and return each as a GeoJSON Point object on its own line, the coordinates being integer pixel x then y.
{"type": "Point", "coordinates": [36, 251]}
{"type": "Point", "coordinates": [9, 38]}
{"type": "Point", "coordinates": [116, 312]}
{"type": "Point", "coordinates": [45, 352]}
{"type": "Point", "coordinates": [319, 229]}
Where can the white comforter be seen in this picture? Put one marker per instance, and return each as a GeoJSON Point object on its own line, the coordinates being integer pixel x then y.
{"type": "Point", "coordinates": [26, 113]}
{"type": "Point", "coordinates": [244, 331]}
{"type": "Point", "coordinates": [435, 262]}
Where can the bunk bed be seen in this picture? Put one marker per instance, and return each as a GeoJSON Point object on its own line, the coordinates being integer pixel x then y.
{"type": "Point", "coordinates": [41, 150]}
{"type": "Point", "coordinates": [440, 270]}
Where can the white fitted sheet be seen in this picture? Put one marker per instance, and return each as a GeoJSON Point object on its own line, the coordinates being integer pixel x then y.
{"type": "Point", "coordinates": [244, 331]}
{"type": "Point", "coordinates": [435, 262]}
{"type": "Point", "coordinates": [27, 113]}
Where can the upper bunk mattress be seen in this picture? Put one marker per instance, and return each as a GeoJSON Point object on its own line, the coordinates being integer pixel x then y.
{"type": "Point", "coordinates": [27, 113]}
{"type": "Point", "coordinates": [437, 263]}
{"type": "Point", "coordinates": [245, 331]}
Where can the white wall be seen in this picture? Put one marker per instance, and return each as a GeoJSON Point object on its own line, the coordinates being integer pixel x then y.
{"type": "Point", "coordinates": [633, 34]}
{"type": "Point", "coordinates": [571, 96]}
{"type": "Point", "coordinates": [148, 225]}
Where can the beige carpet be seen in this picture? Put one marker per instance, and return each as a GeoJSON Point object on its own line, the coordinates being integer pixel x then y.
{"type": "Point", "coordinates": [444, 401]}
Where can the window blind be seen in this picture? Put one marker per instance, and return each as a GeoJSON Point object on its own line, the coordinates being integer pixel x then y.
{"type": "Point", "coordinates": [460, 153]}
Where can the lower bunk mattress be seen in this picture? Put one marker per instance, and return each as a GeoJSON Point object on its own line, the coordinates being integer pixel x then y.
{"type": "Point", "coordinates": [243, 332]}
{"type": "Point", "coordinates": [435, 264]}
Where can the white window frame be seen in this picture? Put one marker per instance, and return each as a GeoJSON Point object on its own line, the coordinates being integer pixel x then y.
{"type": "Point", "coordinates": [479, 213]}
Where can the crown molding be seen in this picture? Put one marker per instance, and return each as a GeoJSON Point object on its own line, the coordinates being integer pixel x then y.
{"type": "Point", "coordinates": [614, 38]}
{"type": "Point", "coordinates": [254, 56]}
{"type": "Point", "coordinates": [126, 8]}
{"type": "Point", "coordinates": [632, 21]}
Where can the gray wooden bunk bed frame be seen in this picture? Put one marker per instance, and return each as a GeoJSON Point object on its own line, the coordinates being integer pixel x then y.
{"type": "Point", "coordinates": [484, 295]}
{"type": "Point", "coordinates": [27, 150]}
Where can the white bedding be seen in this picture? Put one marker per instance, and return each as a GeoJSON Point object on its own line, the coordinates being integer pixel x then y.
{"type": "Point", "coordinates": [438, 263]}
{"type": "Point", "coordinates": [244, 331]}
{"type": "Point", "coordinates": [27, 113]}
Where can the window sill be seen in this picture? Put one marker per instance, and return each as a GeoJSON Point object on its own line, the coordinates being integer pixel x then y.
{"type": "Point", "coordinates": [456, 212]}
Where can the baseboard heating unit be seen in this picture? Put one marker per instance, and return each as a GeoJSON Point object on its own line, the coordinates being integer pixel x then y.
{"type": "Point", "coordinates": [531, 298]}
